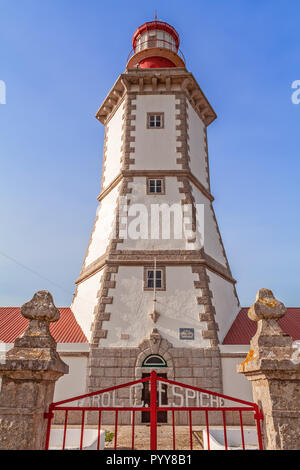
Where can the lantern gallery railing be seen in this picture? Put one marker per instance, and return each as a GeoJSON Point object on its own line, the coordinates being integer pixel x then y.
{"type": "Point", "coordinates": [164, 395]}
{"type": "Point", "coordinates": [156, 43]}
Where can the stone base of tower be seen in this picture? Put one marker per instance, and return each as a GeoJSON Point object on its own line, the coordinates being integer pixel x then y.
{"type": "Point", "coordinates": [109, 367]}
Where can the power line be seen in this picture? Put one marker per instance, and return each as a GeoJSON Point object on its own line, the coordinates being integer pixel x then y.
{"type": "Point", "coordinates": [36, 273]}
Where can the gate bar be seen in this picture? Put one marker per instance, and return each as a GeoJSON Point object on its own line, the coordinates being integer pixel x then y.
{"type": "Point", "coordinates": [174, 437]}
{"type": "Point", "coordinates": [153, 411]}
{"type": "Point", "coordinates": [191, 429]}
{"type": "Point", "coordinates": [242, 430]}
{"type": "Point", "coordinates": [93, 394]}
{"type": "Point", "coordinates": [207, 430]}
{"type": "Point", "coordinates": [82, 429]}
{"type": "Point", "coordinates": [133, 424]}
{"type": "Point", "coordinates": [225, 429]}
{"type": "Point", "coordinates": [258, 417]}
{"type": "Point", "coordinates": [99, 431]}
{"type": "Point", "coordinates": [49, 416]}
{"type": "Point", "coordinates": [161, 408]}
{"type": "Point", "coordinates": [116, 429]}
{"type": "Point", "coordinates": [65, 429]}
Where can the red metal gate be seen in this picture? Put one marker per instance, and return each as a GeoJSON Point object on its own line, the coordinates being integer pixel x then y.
{"type": "Point", "coordinates": [219, 401]}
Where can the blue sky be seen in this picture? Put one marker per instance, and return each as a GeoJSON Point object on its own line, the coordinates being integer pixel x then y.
{"type": "Point", "coordinates": [59, 58]}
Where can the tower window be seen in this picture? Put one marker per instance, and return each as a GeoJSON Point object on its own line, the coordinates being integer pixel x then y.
{"type": "Point", "coordinates": [155, 278]}
{"type": "Point", "coordinates": [155, 120]}
{"type": "Point", "coordinates": [155, 186]}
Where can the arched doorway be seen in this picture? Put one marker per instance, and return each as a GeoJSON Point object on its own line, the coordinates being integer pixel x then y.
{"type": "Point", "coordinates": [157, 363]}
{"type": "Point", "coordinates": [154, 355]}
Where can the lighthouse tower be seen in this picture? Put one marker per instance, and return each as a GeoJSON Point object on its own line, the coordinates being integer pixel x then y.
{"type": "Point", "coordinates": [148, 300]}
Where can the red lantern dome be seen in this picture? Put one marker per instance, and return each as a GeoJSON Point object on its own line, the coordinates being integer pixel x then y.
{"type": "Point", "coordinates": [155, 45]}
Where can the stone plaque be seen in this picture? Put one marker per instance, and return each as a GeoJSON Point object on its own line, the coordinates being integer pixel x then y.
{"type": "Point", "coordinates": [187, 334]}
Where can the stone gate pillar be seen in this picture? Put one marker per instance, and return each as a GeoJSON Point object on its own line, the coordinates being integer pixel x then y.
{"type": "Point", "coordinates": [29, 374]}
{"type": "Point", "coordinates": [273, 367]}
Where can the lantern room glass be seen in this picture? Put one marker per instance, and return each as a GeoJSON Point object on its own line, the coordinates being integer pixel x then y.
{"type": "Point", "coordinates": [155, 38]}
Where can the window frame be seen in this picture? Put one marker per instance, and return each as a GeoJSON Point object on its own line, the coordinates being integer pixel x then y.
{"type": "Point", "coordinates": [163, 186]}
{"type": "Point", "coordinates": [162, 120]}
{"type": "Point", "coordinates": [163, 278]}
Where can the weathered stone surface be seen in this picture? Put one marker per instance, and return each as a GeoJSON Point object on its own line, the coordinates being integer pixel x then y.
{"type": "Point", "coordinates": [275, 374]}
{"type": "Point", "coordinates": [266, 307]}
{"type": "Point", "coordinates": [115, 366]}
{"type": "Point", "coordinates": [29, 374]}
{"type": "Point", "coordinates": [41, 307]}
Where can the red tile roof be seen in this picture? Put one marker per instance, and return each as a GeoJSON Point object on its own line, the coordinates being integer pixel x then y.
{"type": "Point", "coordinates": [66, 330]}
{"type": "Point", "coordinates": [243, 329]}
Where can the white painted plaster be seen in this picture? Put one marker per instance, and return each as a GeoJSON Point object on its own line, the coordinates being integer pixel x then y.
{"type": "Point", "coordinates": [234, 384]}
{"type": "Point", "coordinates": [72, 348]}
{"type": "Point", "coordinates": [85, 302]}
{"type": "Point", "coordinates": [212, 244]}
{"type": "Point", "coordinates": [197, 152]}
{"type": "Point", "coordinates": [225, 303]}
{"type": "Point", "coordinates": [139, 196]}
{"type": "Point", "coordinates": [155, 149]}
{"type": "Point", "coordinates": [104, 226]}
{"type": "Point", "coordinates": [241, 349]}
{"type": "Point", "coordinates": [114, 134]}
{"type": "Point", "coordinates": [132, 305]}
{"type": "Point", "coordinates": [74, 383]}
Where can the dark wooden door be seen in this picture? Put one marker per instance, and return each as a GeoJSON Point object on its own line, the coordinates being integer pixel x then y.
{"type": "Point", "coordinates": [162, 416]}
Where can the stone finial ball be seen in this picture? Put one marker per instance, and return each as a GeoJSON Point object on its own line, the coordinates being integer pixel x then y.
{"type": "Point", "coordinates": [41, 307]}
{"type": "Point", "coordinates": [266, 307]}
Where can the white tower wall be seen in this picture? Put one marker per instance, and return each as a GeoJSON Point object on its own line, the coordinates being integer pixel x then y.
{"type": "Point", "coordinates": [130, 312]}
{"type": "Point", "coordinates": [85, 302]}
{"type": "Point", "coordinates": [155, 149]}
{"type": "Point", "coordinates": [112, 148]}
{"type": "Point", "coordinates": [198, 146]}
{"type": "Point", "coordinates": [103, 228]}
{"type": "Point", "coordinates": [199, 295]}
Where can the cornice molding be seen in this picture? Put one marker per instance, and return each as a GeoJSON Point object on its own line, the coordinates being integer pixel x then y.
{"type": "Point", "coordinates": [92, 269]}
{"type": "Point", "coordinates": [164, 257]}
{"type": "Point", "coordinates": [157, 81]}
{"type": "Point", "coordinates": [155, 174]}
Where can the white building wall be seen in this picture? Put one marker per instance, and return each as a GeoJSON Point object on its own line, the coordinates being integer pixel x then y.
{"type": "Point", "coordinates": [155, 149]}
{"type": "Point", "coordinates": [234, 384]}
{"type": "Point", "coordinates": [225, 302]}
{"type": "Point", "coordinates": [197, 152]}
{"type": "Point", "coordinates": [139, 196]}
{"type": "Point", "coordinates": [73, 384]}
{"type": "Point", "coordinates": [212, 243]}
{"type": "Point", "coordinates": [85, 302]}
{"type": "Point", "coordinates": [132, 305]}
{"type": "Point", "coordinates": [106, 215]}
{"type": "Point", "coordinates": [114, 132]}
